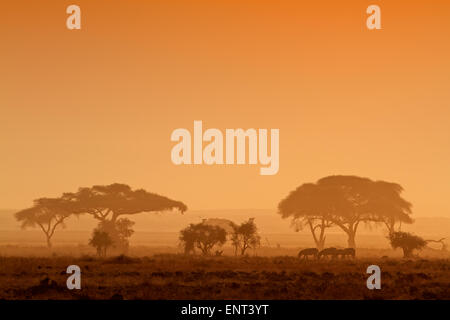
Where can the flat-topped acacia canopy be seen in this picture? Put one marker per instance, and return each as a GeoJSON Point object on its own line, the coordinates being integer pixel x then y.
{"type": "Point", "coordinates": [110, 201]}
{"type": "Point", "coordinates": [346, 202]}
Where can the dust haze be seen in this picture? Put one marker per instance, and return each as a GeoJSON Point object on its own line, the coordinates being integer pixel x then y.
{"type": "Point", "coordinates": [153, 247]}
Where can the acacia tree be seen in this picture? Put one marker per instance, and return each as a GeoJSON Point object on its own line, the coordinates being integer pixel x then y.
{"type": "Point", "coordinates": [203, 237]}
{"type": "Point", "coordinates": [388, 207]}
{"type": "Point", "coordinates": [346, 201]}
{"type": "Point", "coordinates": [245, 236]}
{"type": "Point", "coordinates": [309, 206]}
{"type": "Point", "coordinates": [366, 201]}
{"type": "Point", "coordinates": [111, 201]}
{"type": "Point", "coordinates": [47, 214]}
{"type": "Point", "coordinates": [353, 194]}
{"type": "Point", "coordinates": [108, 203]}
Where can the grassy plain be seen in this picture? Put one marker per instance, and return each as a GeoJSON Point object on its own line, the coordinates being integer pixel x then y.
{"type": "Point", "coordinates": [175, 276]}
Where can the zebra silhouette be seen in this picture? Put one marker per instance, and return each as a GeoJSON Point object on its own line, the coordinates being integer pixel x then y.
{"type": "Point", "coordinates": [303, 254]}
{"type": "Point", "coordinates": [331, 253]}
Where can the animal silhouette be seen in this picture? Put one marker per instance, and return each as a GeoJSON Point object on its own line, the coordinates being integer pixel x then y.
{"type": "Point", "coordinates": [347, 252]}
{"type": "Point", "coordinates": [303, 254]}
{"type": "Point", "coordinates": [331, 253]}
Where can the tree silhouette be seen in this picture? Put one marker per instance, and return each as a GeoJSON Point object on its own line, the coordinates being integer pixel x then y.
{"type": "Point", "coordinates": [310, 206]}
{"type": "Point", "coordinates": [407, 241]}
{"type": "Point", "coordinates": [345, 201]}
{"type": "Point", "coordinates": [366, 201]}
{"type": "Point", "coordinates": [111, 201]}
{"type": "Point", "coordinates": [101, 241]}
{"type": "Point", "coordinates": [245, 236]}
{"type": "Point", "coordinates": [387, 206]}
{"type": "Point", "coordinates": [108, 203]}
{"type": "Point", "coordinates": [47, 214]}
{"type": "Point", "coordinates": [203, 237]}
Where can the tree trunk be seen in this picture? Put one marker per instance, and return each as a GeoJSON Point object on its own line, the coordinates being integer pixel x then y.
{"type": "Point", "coordinates": [49, 242]}
{"type": "Point", "coordinates": [319, 240]}
{"type": "Point", "coordinates": [407, 253]}
{"type": "Point", "coordinates": [351, 239]}
{"type": "Point", "coordinates": [320, 244]}
{"type": "Point", "coordinates": [390, 226]}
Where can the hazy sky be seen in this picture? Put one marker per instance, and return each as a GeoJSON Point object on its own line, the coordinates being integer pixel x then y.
{"type": "Point", "coordinates": [98, 105]}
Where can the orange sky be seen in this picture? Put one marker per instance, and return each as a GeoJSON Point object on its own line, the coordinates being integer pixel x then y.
{"type": "Point", "coordinates": [98, 105]}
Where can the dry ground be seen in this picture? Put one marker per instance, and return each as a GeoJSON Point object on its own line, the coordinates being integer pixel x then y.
{"type": "Point", "coordinates": [179, 277]}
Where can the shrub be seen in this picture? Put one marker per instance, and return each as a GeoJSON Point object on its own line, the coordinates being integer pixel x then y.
{"type": "Point", "coordinates": [407, 242]}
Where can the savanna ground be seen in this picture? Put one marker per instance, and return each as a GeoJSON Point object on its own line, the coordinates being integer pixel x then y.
{"type": "Point", "coordinates": [176, 276]}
